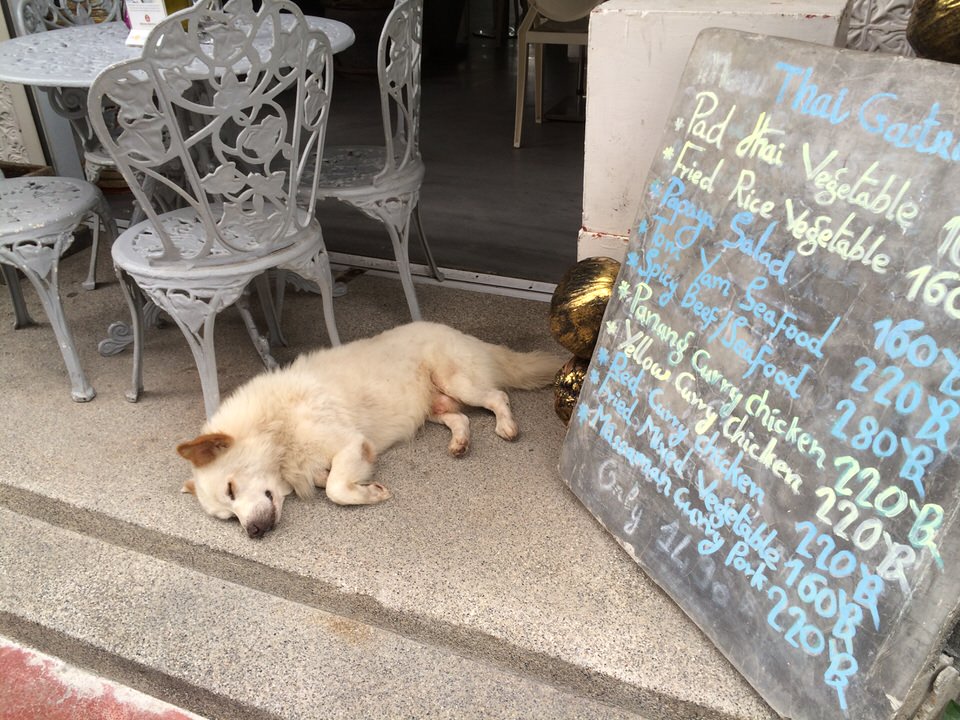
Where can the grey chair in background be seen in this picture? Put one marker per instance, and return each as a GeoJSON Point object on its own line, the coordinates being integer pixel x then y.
{"type": "Point", "coordinates": [547, 22]}
{"type": "Point", "coordinates": [38, 219]}
{"type": "Point", "coordinates": [205, 115]}
{"type": "Point", "coordinates": [383, 181]}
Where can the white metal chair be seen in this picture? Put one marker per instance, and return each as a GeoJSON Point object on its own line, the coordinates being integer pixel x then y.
{"type": "Point", "coordinates": [33, 16]}
{"type": "Point", "coordinates": [547, 22]}
{"type": "Point", "coordinates": [383, 181]}
{"type": "Point", "coordinates": [230, 128]}
{"type": "Point", "coordinates": [38, 218]}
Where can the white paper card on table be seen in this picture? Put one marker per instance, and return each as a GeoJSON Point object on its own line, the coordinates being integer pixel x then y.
{"type": "Point", "coordinates": [143, 16]}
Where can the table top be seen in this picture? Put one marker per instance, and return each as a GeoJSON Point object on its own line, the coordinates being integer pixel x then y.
{"type": "Point", "coordinates": [74, 56]}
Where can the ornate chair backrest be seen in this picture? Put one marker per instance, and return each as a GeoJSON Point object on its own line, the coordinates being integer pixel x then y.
{"type": "Point", "coordinates": [398, 66]}
{"type": "Point", "coordinates": [31, 16]}
{"type": "Point", "coordinates": [225, 112]}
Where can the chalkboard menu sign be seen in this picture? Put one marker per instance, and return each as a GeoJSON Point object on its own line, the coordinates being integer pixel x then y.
{"type": "Point", "coordinates": [770, 421]}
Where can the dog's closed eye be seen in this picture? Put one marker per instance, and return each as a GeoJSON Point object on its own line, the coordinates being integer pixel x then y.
{"type": "Point", "coordinates": [230, 491]}
{"type": "Point", "coordinates": [269, 495]}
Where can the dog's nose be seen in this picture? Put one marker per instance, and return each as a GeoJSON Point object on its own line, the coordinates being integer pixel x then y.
{"type": "Point", "coordinates": [261, 522]}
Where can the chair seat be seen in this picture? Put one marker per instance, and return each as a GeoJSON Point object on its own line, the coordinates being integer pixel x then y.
{"type": "Point", "coordinates": [354, 169]}
{"type": "Point", "coordinates": [33, 207]}
{"type": "Point", "coordinates": [136, 251]}
{"type": "Point", "coordinates": [553, 32]}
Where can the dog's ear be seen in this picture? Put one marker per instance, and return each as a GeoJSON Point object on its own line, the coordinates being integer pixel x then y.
{"type": "Point", "coordinates": [189, 487]}
{"type": "Point", "coordinates": [204, 449]}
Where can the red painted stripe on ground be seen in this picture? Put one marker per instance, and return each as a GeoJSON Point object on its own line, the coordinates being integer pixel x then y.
{"type": "Point", "coordinates": [34, 686]}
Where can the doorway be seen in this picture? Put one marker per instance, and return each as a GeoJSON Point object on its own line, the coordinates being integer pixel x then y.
{"type": "Point", "coordinates": [487, 208]}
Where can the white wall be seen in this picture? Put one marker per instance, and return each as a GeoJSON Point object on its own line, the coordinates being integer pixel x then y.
{"type": "Point", "coordinates": [637, 52]}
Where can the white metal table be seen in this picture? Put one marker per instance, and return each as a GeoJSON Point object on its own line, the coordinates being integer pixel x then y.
{"type": "Point", "coordinates": [72, 57]}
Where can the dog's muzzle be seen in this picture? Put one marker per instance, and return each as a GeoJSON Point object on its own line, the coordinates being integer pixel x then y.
{"type": "Point", "coordinates": [262, 522]}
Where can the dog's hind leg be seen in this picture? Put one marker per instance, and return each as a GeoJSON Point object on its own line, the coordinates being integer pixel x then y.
{"type": "Point", "coordinates": [459, 425]}
{"type": "Point", "coordinates": [446, 411]}
{"type": "Point", "coordinates": [352, 466]}
{"type": "Point", "coordinates": [464, 389]}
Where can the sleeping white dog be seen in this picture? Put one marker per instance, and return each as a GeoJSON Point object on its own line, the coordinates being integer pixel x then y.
{"type": "Point", "coordinates": [323, 420]}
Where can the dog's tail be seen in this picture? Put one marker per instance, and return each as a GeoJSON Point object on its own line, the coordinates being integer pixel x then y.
{"type": "Point", "coordinates": [525, 370]}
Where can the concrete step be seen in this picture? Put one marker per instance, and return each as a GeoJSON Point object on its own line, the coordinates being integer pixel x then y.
{"type": "Point", "coordinates": [34, 685]}
{"type": "Point", "coordinates": [230, 651]}
{"type": "Point", "coordinates": [488, 557]}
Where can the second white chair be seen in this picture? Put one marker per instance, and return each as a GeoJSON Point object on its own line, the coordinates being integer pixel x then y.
{"type": "Point", "coordinates": [383, 181]}
{"type": "Point", "coordinates": [205, 114]}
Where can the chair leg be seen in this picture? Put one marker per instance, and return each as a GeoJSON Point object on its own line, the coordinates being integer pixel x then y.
{"type": "Point", "coordinates": [103, 222]}
{"type": "Point", "coordinates": [271, 312]}
{"type": "Point", "coordinates": [398, 225]}
{"type": "Point", "coordinates": [538, 83]}
{"type": "Point", "coordinates": [40, 262]}
{"type": "Point", "coordinates": [434, 269]}
{"type": "Point", "coordinates": [134, 300]}
{"type": "Point", "coordinates": [91, 282]}
{"type": "Point", "coordinates": [195, 313]}
{"type": "Point", "coordinates": [522, 65]}
{"type": "Point", "coordinates": [261, 343]}
{"type": "Point", "coordinates": [21, 317]}
{"type": "Point", "coordinates": [280, 292]}
{"type": "Point", "coordinates": [316, 268]}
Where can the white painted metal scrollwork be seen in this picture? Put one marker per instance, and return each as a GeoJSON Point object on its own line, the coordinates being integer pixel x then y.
{"type": "Point", "coordinates": [223, 117]}
{"type": "Point", "coordinates": [880, 26]}
{"type": "Point", "coordinates": [383, 181]}
{"type": "Point", "coordinates": [40, 15]}
{"type": "Point", "coordinates": [206, 98]}
{"type": "Point", "coordinates": [400, 80]}
{"type": "Point", "coordinates": [12, 148]}
{"type": "Point", "coordinates": [400, 92]}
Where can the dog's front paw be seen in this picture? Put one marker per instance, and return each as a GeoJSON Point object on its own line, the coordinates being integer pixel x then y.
{"type": "Point", "coordinates": [357, 494]}
{"type": "Point", "coordinates": [507, 429]}
{"type": "Point", "coordinates": [377, 493]}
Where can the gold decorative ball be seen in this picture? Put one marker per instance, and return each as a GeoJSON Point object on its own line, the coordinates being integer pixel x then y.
{"type": "Point", "coordinates": [934, 30]}
{"type": "Point", "coordinates": [578, 303]}
{"type": "Point", "coordinates": [566, 387]}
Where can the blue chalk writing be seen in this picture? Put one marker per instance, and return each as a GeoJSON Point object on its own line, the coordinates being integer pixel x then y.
{"type": "Point", "coordinates": [873, 117]}
{"type": "Point", "coordinates": [806, 97]}
{"type": "Point", "coordinates": [776, 267]}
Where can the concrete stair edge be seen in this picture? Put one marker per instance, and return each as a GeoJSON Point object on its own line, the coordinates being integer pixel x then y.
{"type": "Point", "coordinates": [124, 671]}
{"type": "Point", "coordinates": [221, 649]}
{"type": "Point", "coordinates": [540, 668]}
